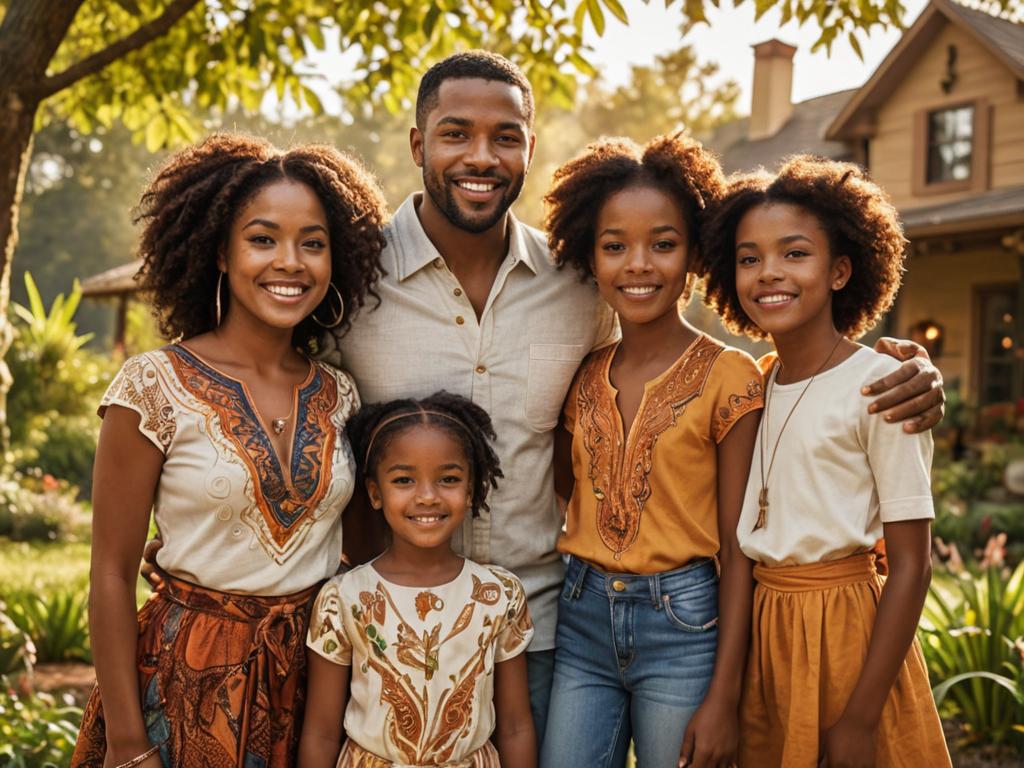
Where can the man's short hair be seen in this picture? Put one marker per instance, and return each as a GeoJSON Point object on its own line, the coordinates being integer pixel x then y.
{"type": "Point", "coordinates": [482, 65]}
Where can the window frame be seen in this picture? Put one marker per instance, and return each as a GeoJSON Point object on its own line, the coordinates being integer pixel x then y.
{"type": "Point", "coordinates": [980, 142]}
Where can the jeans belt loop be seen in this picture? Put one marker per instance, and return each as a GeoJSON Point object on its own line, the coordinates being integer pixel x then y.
{"type": "Point", "coordinates": [577, 586]}
{"type": "Point", "coordinates": [655, 582]}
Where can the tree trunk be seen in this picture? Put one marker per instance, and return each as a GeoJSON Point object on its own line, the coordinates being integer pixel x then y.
{"type": "Point", "coordinates": [29, 36]}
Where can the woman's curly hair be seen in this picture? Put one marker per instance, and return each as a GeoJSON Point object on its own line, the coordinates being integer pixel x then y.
{"type": "Point", "coordinates": [856, 214]}
{"type": "Point", "coordinates": [189, 207]}
{"type": "Point", "coordinates": [376, 425]}
{"type": "Point", "coordinates": [675, 164]}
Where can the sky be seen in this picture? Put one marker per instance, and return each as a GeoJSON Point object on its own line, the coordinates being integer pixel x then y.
{"type": "Point", "coordinates": [726, 41]}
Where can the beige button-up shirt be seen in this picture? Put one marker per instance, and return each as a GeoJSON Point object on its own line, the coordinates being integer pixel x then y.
{"type": "Point", "coordinates": [516, 362]}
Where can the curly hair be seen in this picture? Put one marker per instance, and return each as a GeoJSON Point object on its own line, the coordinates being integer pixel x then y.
{"type": "Point", "coordinates": [855, 213]}
{"type": "Point", "coordinates": [189, 207]}
{"type": "Point", "coordinates": [675, 164]}
{"type": "Point", "coordinates": [466, 65]}
{"type": "Point", "coordinates": [372, 429]}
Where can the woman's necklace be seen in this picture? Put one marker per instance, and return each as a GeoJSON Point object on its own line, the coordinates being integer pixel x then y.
{"type": "Point", "coordinates": [278, 425]}
{"type": "Point", "coordinates": [762, 498]}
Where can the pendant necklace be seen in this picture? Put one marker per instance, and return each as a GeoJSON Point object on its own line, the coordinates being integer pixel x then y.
{"type": "Point", "coordinates": [278, 425]}
{"type": "Point", "coordinates": [762, 497]}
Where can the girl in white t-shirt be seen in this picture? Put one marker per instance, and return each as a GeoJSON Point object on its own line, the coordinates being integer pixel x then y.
{"type": "Point", "coordinates": [421, 651]}
{"type": "Point", "coordinates": [811, 257]}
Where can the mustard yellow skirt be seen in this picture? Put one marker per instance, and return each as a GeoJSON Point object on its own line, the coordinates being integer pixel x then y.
{"type": "Point", "coordinates": [354, 756]}
{"type": "Point", "coordinates": [811, 630]}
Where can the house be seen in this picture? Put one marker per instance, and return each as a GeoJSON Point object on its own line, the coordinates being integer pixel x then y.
{"type": "Point", "coordinates": [939, 125]}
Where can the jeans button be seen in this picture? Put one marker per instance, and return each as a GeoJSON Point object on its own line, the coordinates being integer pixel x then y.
{"type": "Point", "coordinates": [618, 585]}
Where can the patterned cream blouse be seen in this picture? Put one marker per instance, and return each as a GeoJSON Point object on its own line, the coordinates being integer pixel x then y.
{"type": "Point", "coordinates": [231, 518]}
{"type": "Point", "coordinates": [422, 659]}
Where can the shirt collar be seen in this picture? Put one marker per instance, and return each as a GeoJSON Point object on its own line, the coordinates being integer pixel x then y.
{"type": "Point", "coordinates": [414, 250]}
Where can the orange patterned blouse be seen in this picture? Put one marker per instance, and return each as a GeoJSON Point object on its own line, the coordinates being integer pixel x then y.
{"type": "Point", "coordinates": [648, 502]}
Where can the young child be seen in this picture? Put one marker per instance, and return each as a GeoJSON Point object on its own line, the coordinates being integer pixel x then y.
{"type": "Point", "coordinates": [431, 643]}
{"type": "Point", "coordinates": [657, 440]}
{"type": "Point", "coordinates": [812, 257]}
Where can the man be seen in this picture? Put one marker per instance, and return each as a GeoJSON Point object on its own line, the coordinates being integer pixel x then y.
{"type": "Point", "coordinates": [471, 303]}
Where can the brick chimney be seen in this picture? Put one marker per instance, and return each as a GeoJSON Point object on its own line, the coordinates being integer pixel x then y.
{"type": "Point", "coordinates": [770, 104]}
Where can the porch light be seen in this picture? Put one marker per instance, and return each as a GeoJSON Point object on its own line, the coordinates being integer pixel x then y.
{"type": "Point", "coordinates": [930, 335]}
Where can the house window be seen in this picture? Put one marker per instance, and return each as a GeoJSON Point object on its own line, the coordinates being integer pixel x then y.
{"type": "Point", "coordinates": [997, 377]}
{"type": "Point", "coordinates": [950, 144]}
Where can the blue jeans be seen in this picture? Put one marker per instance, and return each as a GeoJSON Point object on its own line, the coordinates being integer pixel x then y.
{"type": "Point", "coordinates": [633, 660]}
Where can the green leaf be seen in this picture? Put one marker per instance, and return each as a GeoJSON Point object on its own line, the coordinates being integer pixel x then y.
{"type": "Point", "coordinates": [761, 7]}
{"type": "Point", "coordinates": [580, 15]}
{"type": "Point", "coordinates": [617, 10]}
{"type": "Point", "coordinates": [939, 692]}
{"type": "Point", "coordinates": [313, 100]}
{"type": "Point", "coordinates": [315, 35]}
{"type": "Point", "coordinates": [582, 65]}
{"type": "Point", "coordinates": [855, 44]}
{"type": "Point", "coordinates": [156, 133]}
{"type": "Point", "coordinates": [430, 21]}
{"type": "Point", "coordinates": [596, 16]}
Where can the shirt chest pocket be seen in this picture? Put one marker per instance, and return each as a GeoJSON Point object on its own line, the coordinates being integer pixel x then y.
{"type": "Point", "coordinates": [552, 367]}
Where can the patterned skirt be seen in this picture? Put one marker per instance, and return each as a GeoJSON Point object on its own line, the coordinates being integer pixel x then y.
{"type": "Point", "coordinates": [811, 630]}
{"type": "Point", "coordinates": [222, 678]}
{"type": "Point", "coordinates": [354, 756]}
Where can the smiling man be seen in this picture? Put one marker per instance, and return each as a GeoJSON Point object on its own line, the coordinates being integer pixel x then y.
{"type": "Point", "coordinates": [472, 304]}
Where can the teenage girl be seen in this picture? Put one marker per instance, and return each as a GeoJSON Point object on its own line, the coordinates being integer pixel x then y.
{"type": "Point", "coordinates": [235, 440]}
{"type": "Point", "coordinates": [654, 453]}
{"type": "Point", "coordinates": [420, 651]}
{"type": "Point", "coordinates": [811, 258]}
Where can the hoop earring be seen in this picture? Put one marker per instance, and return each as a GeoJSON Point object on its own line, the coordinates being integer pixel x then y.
{"type": "Point", "coordinates": [220, 279]}
{"type": "Point", "coordinates": [338, 316]}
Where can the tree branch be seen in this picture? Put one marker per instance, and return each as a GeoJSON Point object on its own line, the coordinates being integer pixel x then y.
{"type": "Point", "coordinates": [137, 39]}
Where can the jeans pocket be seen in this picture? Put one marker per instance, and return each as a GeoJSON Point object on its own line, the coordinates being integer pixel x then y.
{"type": "Point", "coordinates": [694, 609]}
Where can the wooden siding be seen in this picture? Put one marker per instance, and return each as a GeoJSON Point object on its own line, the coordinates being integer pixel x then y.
{"type": "Point", "coordinates": [979, 76]}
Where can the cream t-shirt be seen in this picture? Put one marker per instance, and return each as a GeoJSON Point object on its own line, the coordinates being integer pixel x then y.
{"type": "Point", "coordinates": [839, 473]}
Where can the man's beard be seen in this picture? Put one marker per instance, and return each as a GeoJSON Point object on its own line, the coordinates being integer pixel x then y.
{"type": "Point", "coordinates": [444, 200]}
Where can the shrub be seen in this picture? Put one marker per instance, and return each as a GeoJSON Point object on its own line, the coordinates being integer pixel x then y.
{"type": "Point", "coordinates": [57, 621]}
{"type": "Point", "coordinates": [34, 731]}
{"type": "Point", "coordinates": [63, 447]}
{"type": "Point", "coordinates": [972, 636]}
{"type": "Point", "coordinates": [17, 653]}
{"type": "Point", "coordinates": [38, 507]}
{"type": "Point", "coordinates": [57, 385]}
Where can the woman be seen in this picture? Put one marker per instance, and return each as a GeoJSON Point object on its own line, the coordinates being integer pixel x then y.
{"type": "Point", "coordinates": [236, 440]}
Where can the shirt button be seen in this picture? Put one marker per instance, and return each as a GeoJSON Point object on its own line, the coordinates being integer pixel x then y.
{"type": "Point", "coordinates": [618, 585]}
{"type": "Point", "coordinates": [457, 291]}
{"type": "Point", "coordinates": [459, 320]}
{"type": "Point", "coordinates": [438, 262]}
{"type": "Point", "coordinates": [481, 369]}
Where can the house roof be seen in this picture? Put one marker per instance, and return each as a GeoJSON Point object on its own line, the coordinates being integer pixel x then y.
{"type": "Point", "coordinates": [1002, 37]}
{"type": "Point", "coordinates": [804, 132]}
{"type": "Point", "coordinates": [995, 208]}
{"type": "Point", "coordinates": [114, 282]}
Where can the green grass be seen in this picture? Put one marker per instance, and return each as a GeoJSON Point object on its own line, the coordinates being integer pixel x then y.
{"type": "Point", "coordinates": [38, 566]}
{"type": "Point", "coordinates": [43, 566]}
